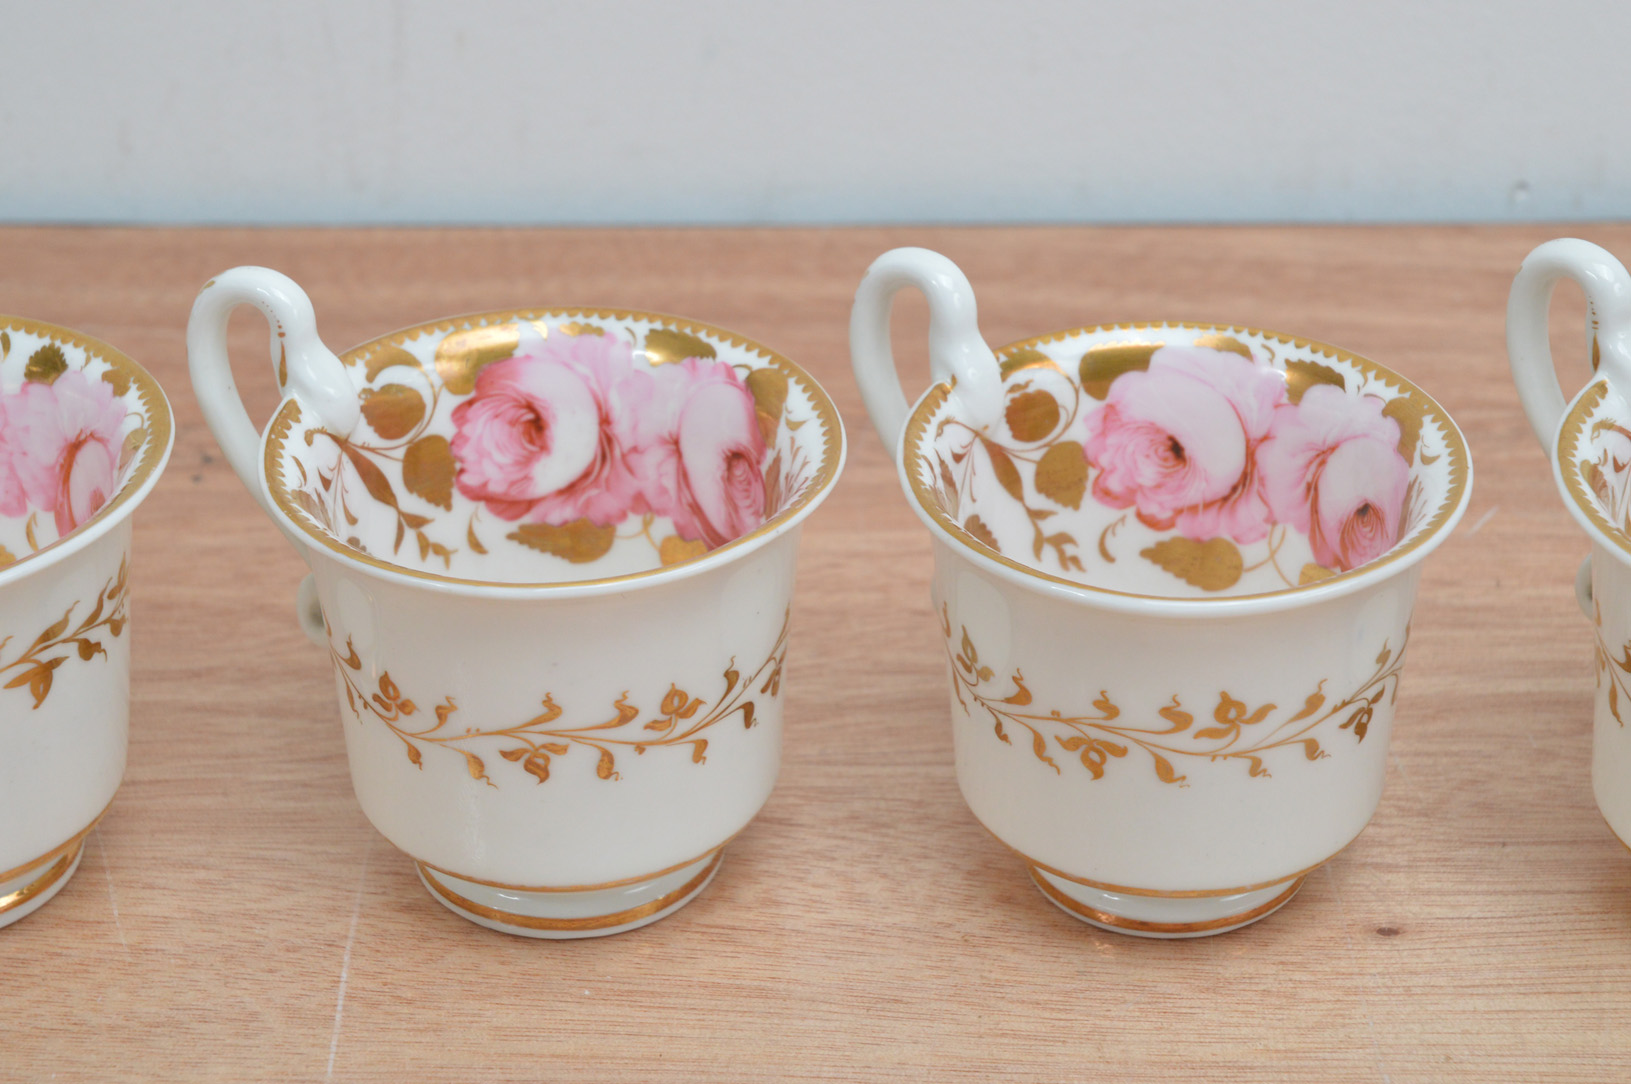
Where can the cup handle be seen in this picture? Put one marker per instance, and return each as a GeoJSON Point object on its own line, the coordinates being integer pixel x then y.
{"type": "Point", "coordinates": [1608, 324]}
{"type": "Point", "coordinates": [306, 369]}
{"type": "Point", "coordinates": [957, 353]}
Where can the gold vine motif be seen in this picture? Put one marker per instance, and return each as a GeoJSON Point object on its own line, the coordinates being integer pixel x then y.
{"type": "Point", "coordinates": [677, 721]}
{"type": "Point", "coordinates": [1615, 668]}
{"type": "Point", "coordinates": [1239, 733]}
{"type": "Point", "coordinates": [37, 666]}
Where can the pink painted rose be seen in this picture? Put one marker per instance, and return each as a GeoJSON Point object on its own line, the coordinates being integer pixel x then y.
{"type": "Point", "coordinates": [701, 457]}
{"type": "Point", "coordinates": [1177, 442]}
{"type": "Point", "coordinates": [546, 434]}
{"type": "Point", "coordinates": [60, 447]}
{"type": "Point", "coordinates": [1331, 468]}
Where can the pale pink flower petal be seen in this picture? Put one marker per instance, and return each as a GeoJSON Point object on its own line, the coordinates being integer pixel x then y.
{"type": "Point", "coordinates": [61, 444]}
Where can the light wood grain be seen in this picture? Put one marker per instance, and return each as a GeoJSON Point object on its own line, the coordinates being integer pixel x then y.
{"type": "Point", "coordinates": [237, 919]}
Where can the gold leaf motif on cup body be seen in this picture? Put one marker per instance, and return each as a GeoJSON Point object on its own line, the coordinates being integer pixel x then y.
{"type": "Point", "coordinates": [1213, 565]}
{"type": "Point", "coordinates": [1408, 416]}
{"type": "Point", "coordinates": [1239, 732]}
{"type": "Point", "coordinates": [45, 365]}
{"type": "Point", "coordinates": [1102, 364]}
{"type": "Point", "coordinates": [664, 346]}
{"type": "Point", "coordinates": [769, 390]}
{"type": "Point", "coordinates": [1302, 375]}
{"type": "Point", "coordinates": [1225, 342]}
{"type": "Point", "coordinates": [535, 744]}
{"type": "Point", "coordinates": [1032, 416]}
{"type": "Point", "coordinates": [36, 667]}
{"type": "Point", "coordinates": [1061, 474]}
{"type": "Point", "coordinates": [675, 549]}
{"type": "Point", "coordinates": [428, 469]}
{"type": "Point", "coordinates": [579, 542]}
{"type": "Point", "coordinates": [462, 354]}
{"type": "Point", "coordinates": [389, 357]}
{"type": "Point", "coordinates": [393, 411]}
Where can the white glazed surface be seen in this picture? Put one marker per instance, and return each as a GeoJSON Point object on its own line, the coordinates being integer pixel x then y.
{"type": "Point", "coordinates": [1168, 756]}
{"type": "Point", "coordinates": [548, 716]}
{"type": "Point", "coordinates": [1588, 442]}
{"type": "Point", "coordinates": [65, 617]}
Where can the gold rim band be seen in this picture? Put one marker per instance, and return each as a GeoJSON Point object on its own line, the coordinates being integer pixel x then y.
{"type": "Point", "coordinates": [12, 900]}
{"type": "Point", "coordinates": [58, 851]}
{"type": "Point", "coordinates": [288, 414]}
{"type": "Point", "coordinates": [1138, 925]}
{"type": "Point", "coordinates": [665, 871]}
{"type": "Point", "coordinates": [592, 922]}
{"type": "Point", "coordinates": [917, 432]}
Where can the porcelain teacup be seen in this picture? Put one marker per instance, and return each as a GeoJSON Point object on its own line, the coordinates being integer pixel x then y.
{"type": "Point", "coordinates": [84, 435]}
{"type": "Point", "coordinates": [1588, 442]}
{"type": "Point", "coordinates": [552, 557]}
{"type": "Point", "coordinates": [1174, 570]}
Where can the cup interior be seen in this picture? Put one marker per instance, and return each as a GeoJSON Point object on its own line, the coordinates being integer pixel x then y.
{"type": "Point", "coordinates": [82, 427]}
{"type": "Point", "coordinates": [1189, 461]}
{"type": "Point", "coordinates": [553, 446]}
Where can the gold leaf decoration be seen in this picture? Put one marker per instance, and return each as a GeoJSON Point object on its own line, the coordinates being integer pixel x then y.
{"type": "Point", "coordinates": [1302, 375]}
{"type": "Point", "coordinates": [427, 470]}
{"type": "Point", "coordinates": [1408, 415]}
{"type": "Point", "coordinates": [1225, 342]}
{"type": "Point", "coordinates": [393, 410]}
{"type": "Point", "coordinates": [1032, 415]}
{"type": "Point", "coordinates": [1003, 466]}
{"type": "Point", "coordinates": [768, 386]}
{"type": "Point", "coordinates": [118, 380]}
{"type": "Point", "coordinates": [575, 329]}
{"type": "Point", "coordinates": [579, 541]}
{"type": "Point", "coordinates": [45, 365]}
{"type": "Point", "coordinates": [388, 356]}
{"type": "Point", "coordinates": [1028, 358]}
{"type": "Point", "coordinates": [461, 355]}
{"type": "Point", "coordinates": [1313, 573]}
{"type": "Point", "coordinates": [1061, 474]}
{"type": "Point", "coordinates": [1213, 565]}
{"type": "Point", "coordinates": [664, 345]}
{"type": "Point", "coordinates": [6, 556]}
{"type": "Point", "coordinates": [975, 526]}
{"type": "Point", "coordinates": [1102, 364]}
{"type": "Point", "coordinates": [675, 549]}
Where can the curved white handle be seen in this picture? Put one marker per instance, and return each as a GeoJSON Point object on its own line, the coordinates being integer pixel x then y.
{"type": "Point", "coordinates": [306, 369]}
{"type": "Point", "coordinates": [957, 353]}
{"type": "Point", "coordinates": [1608, 325]}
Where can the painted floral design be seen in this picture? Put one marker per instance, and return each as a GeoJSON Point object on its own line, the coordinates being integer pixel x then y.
{"type": "Point", "coordinates": [1222, 464]}
{"type": "Point", "coordinates": [59, 448]}
{"type": "Point", "coordinates": [568, 430]}
{"type": "Point", "coordinates": [1179, 442]}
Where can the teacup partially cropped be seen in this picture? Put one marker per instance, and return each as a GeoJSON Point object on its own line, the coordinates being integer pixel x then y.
{"type": "Point", "coordinates": [1174, 570]}
{"type": "Point", "coordinates": [84, 435]}
{"type": "Point", "coordinates": [1589, 444]}
{"type": "Point", "coordinates": [552, 559]}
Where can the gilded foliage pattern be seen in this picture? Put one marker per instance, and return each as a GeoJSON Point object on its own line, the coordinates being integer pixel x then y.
{"type": "Point", "coordinates": [36, 666]}
{"type": "Point", "coordinates": [1238, 732]}
{"type": "Point", "coordinates": [680, 720]}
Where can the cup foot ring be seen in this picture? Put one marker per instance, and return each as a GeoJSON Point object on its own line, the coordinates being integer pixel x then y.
{"type": "Point", "coordinates": [28, 891]}
{"type": "Point", "coordinates": [564, 915]}
{"type": "Point", "coordinates": [1164, 916]}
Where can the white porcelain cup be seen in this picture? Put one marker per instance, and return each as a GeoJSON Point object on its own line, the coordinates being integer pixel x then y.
{"type": "Point", "coordinates": [552, 559]}
{"type": "Point", "coordinates": [1589, 443]}
{"type": "Point", "coordinates": [84, 434]}
{"type": "Point", "coordinates": [1174, 568]}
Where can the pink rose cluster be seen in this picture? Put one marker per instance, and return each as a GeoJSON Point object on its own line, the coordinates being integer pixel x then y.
{"type": "Point", "coordinates": [59, 448]}
{"type": "Point", "coordinates": [569, 429]}
{"type": "Point", "coordinates": [1207, 441]}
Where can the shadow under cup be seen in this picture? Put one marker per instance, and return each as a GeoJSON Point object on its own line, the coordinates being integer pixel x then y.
{"type": "Point", "coordinates": [1174, 576]}
{"type": "Point", "coordinates": [84, 435]}
{"type": "Point", "coordinates": [555, 561]}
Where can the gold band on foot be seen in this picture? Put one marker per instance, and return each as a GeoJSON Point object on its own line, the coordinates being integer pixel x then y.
{"type": "Point", "coordinates": [1136, 925]}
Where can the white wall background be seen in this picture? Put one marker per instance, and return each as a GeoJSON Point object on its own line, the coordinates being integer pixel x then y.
{"type": "Point", "coordinates": [714, 111]}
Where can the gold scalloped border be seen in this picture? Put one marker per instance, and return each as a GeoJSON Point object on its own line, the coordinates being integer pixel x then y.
{"type": "Point", "coordinates": [159, 423]}
{"type": "Point", "coordinates": [1569, 440]}
{"type": "Point", "coordinates": [917, 426]}
{"type": "Point", "coordinates": [832, 434]}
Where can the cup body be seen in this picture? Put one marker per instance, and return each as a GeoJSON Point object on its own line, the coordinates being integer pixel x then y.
{"type": "Point", "coordinates": [552, 558]}
{"type": "Point", "coordinates": [65, 592]}
{"type": "Point", "coordinates": [1174, 568]}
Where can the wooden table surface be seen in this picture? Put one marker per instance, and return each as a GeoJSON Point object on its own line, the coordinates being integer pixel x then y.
{"type": "Point", "coordinates": [236, 918]}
